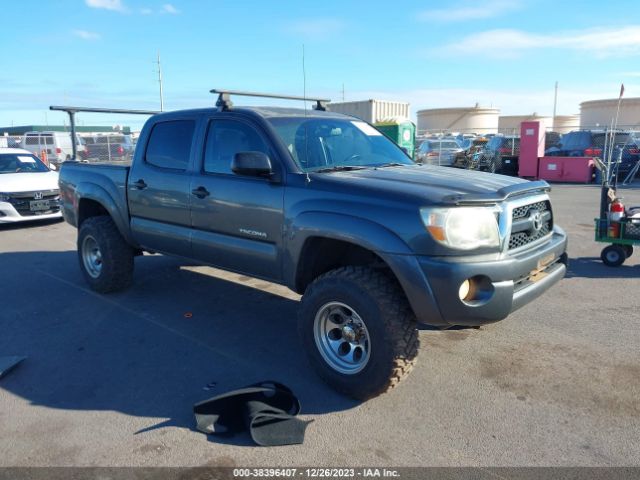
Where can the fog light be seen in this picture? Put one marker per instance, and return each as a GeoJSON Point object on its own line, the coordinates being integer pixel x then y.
{"type": "Point", "coordinates": [463, 291]}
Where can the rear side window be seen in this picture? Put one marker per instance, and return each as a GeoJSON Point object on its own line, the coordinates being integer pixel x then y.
{"type": "Point", "coordinates": [226, 138]}
{"type": "Point", "coordinates": [31, 140]}
{"type": "Point", "coordinates": [170, 144]}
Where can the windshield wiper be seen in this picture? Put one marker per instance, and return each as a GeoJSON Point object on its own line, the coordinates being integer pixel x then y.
{"type": "Point", "coordinates": [391, 164]}
{"type": "Point", "coordinates": [338, 168]}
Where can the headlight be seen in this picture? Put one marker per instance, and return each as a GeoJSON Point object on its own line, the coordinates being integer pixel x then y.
{"type": "Point", "coordinates": [462, 228]}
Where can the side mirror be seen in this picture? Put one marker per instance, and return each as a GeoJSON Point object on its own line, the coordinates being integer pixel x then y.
{"type": "Point", "coordinates": [253, 164]}
{"type": "Point", "coordinates": [52, 167]}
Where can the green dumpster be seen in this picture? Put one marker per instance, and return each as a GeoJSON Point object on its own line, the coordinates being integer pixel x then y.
{"type": "Point", "coordinates": [401, 130]}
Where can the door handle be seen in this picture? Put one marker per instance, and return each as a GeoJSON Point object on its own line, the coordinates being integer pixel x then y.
{"type": "Point", "coordinates": [200, 192]}
{"type": "Point", "coordinates": [140, 185]}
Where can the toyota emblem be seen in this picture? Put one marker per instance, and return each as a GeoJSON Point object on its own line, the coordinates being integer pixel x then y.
{"type": "Point", "coordinates": [536, 220]}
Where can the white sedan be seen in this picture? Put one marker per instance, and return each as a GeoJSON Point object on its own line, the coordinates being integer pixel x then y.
{"type": "Point", "coordinates": [28, 188]}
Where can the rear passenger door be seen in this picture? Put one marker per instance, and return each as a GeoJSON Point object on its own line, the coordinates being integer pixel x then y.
{"type": "Point", "coordinates": [237, 220]}
{"type": "Point", "coordinates": [158, 187]}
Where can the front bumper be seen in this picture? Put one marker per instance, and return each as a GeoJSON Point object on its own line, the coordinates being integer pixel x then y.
{"type": "Point", "coordinates": [8, 214]}
{"type": "Point", "coordinates": [514, 279]}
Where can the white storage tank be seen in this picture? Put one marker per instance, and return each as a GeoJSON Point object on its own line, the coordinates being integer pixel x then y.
{"type": "Point", "coordinates": [598, 113]}
{"type": "Point", "coordinates": [509, 124]}
{"type": "Point", "coordinates": [566, 123]}
{"type": "Point", "coordinates": [371, 111]}
{"type": "Point", "coordinates": [476, 119]}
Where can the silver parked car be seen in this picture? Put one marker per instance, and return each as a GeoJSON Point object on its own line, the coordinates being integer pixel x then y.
{"type": "Point", "coordinates": [438, 152]}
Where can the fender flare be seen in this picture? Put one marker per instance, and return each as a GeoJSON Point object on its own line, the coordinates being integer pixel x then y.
{"type": "Point", "coordinates": [374, 237]}
{"type": "Point", "coordinates": [98, 194]}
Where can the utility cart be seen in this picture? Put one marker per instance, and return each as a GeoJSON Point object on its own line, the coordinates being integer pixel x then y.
{"type": "Point", "coordinates": [618, 226]}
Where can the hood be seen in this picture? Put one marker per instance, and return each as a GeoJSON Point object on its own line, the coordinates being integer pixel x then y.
{"type": "Point", "coordinates": [28, 182]}
{"type": "Point", "coordinates": [438, 184]}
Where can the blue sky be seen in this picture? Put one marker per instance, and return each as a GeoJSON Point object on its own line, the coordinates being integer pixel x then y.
{"type": "Point", "coordinates": [501, 53]}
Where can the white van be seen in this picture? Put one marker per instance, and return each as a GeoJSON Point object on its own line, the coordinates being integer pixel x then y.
{"type": "Point", "coordinates": [56, 144]}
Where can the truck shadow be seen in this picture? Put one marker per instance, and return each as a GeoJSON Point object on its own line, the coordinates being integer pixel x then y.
{"type": "Point", "coordinates": [592, 267]}
{"type": "Point", "coordinates": [179, 335]}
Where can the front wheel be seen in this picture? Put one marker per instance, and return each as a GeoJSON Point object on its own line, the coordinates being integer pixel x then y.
{"type": "Point", "coordinates": [628, 250]}
{"type": "Point", "coordinates": [613, 255]}
{"type": "Point", "coordinates": [359, 331]}
{"type": "Point", "coordinates": [106, 259]}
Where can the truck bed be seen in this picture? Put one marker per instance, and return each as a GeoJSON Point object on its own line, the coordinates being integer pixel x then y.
{"type": "Point", "coordinates": [92, 181]}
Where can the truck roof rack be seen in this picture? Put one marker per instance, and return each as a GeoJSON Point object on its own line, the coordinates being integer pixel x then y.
{"type": "Point", "coordinates": [224, 101]}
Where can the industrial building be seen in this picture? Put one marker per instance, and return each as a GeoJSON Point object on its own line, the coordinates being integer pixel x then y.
{"type": "Point", "coordinates": [511, 123]}
{"type": "Point", "coordinates": [599, 113]}
{"type": "Point", "coordinates": [473, 119]}
{"type": "Point", "coordinates": [566, 123]}
{"type": "Point", "coordinates": [372, 111]}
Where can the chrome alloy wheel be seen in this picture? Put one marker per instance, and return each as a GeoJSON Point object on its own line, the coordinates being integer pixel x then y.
{"type": "Point", "coordinates": [91, 256]}
{"type": "Point", "coordinates": [342, 338]}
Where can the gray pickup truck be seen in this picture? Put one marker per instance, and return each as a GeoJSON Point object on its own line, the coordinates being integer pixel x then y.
{"type": "Point", "coordinates": [326, 205]}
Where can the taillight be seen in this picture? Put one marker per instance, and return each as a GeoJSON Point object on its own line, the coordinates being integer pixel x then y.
{"type": "Point", "coordinates": [592, 152]}
{"type": "Point", "coordinates": [634, 151]}
{"type": "Point", "coordinates": [58, 150]}
{"type": "Point", "coordinates": [432, 154]}
{"type": "Point", "coordinates": [504, 150]}
{"type": "Point", "coordinates": [120, 150]}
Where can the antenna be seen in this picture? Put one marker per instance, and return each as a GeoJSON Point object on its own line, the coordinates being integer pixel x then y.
{"type": "Point", "coordinates": [343, 92]}
{"type": "Point", "coordinates": [304, 82]}
{"type": "Point", "coordinates": [304, 94]}
{"type": "Point", "coordinates": [160, 82]}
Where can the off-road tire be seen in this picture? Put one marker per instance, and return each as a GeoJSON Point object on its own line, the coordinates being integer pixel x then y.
{"type": "Point", "coordinates": [391, 325]}
{"type": "Point", "coordinates": [116, 272]}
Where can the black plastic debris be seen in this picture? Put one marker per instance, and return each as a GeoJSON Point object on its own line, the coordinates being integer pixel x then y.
{"type": "Point", "coordinates": [9, 363]}
{"type": "Point", "coordinates": [267, 410]}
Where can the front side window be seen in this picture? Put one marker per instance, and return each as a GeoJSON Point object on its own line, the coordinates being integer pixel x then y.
{"type": "Point", "coordinates": [170, 144]}
{"type": "Point", "coordinates": [225, 138]}
{"type": "Point", "coordinates": [321, 143]}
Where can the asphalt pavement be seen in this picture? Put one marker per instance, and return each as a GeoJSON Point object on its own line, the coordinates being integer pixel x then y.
{"type": "Point", "coordinates": [110, 380]}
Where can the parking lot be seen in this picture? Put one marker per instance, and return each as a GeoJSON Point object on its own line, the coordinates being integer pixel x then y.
{"type": "Point", "coordinates": [111, 380]}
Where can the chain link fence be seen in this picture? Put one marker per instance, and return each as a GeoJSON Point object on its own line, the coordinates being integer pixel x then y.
{"type": "Point", "coordinates": [616, 152]}
{"type": "Point", "coordinates": [100, 137]}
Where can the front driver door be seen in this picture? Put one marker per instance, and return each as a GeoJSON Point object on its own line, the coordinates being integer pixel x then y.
{"type": "Point", "coordinates": [237, 220]}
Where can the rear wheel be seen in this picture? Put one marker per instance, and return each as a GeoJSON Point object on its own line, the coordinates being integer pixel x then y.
{"type": "Point", "coordinates": [628, 250]}
{"type": "Point", "coordinates": [106, 259]}
{"type": "Point", "coordinates": [359, 331]}
{"type": "Point", "coordinates": [613, 255]}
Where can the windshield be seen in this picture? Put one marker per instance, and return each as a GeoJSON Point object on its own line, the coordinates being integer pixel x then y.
{"type": "Point", "coordinates": [319, 143]}
{"type": "Point", "coordinates": [18, 163]}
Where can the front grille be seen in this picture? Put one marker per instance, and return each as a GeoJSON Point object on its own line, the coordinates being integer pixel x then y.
{"type": "Point", "coordinates": [21, 202]}
{"type": "Point", "coordinates": [522, 212]}
{"type": "Point", "coordinates": [529, 233]}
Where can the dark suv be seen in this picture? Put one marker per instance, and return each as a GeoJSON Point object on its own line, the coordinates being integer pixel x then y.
{"type": "Point", "coordinates": [498, 154]}
{"type": "Point", "coordinates": [591, 143]}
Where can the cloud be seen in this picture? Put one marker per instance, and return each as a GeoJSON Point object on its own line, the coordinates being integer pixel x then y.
{"type": "Point", "coordinates": [86, 35]}
{"type": "Point", "coordinates": [114, 5]}
{"type": "Point", "coordinates": [468, 11]}
{"type": "Point", "coordinates": [506, 43]}
{"type": "Point", "coordinates": [316, 28]}
{"type": "Point", "coordinates": [146, 11]}
{"type": "Point", "coordinates": [168, 8]}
